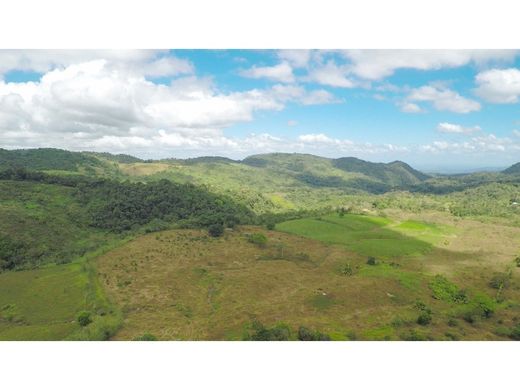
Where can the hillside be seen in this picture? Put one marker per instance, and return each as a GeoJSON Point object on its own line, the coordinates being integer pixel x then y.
{"type": "Point", "coordinates": [395, 174]}
{"type": "Point", "coordinates": [314, 273]}
{"type": "Point", "coordinates": [513, 169]}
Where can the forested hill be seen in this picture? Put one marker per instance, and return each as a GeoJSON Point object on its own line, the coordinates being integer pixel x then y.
{"type": "Point", "coordinates": [513, 169]}
{"type": "Point", "coordinates": [45, 159]}
{"type": "Point", "coordinates": [396, 173]}
{"type": "Point", "coordinates": [59, 217]}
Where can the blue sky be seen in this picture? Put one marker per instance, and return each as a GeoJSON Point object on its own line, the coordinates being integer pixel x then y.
{"type": "Point", "coordinates": [438, 110]}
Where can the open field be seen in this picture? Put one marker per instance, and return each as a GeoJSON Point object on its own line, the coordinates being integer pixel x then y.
{"type": "Point", "coordinates": [182, 284]}
{"type": "Point", "coordinates": [41, 304]}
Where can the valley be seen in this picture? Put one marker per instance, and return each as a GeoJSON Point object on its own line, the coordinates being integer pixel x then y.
{"type": "Point", "coordinates": [274, 247]}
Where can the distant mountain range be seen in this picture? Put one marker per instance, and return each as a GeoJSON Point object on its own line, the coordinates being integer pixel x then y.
{"type": "Point", "coordinates": [265, 181]}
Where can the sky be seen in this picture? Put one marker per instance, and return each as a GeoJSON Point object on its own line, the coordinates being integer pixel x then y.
{"type": "Point", "coordinates": [438, 110]}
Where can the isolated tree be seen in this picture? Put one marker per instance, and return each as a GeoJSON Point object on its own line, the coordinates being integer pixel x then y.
{"type": "Point", "coordinates": [216, 230]}
{"type": "Point", "coordinates": [84, 318]}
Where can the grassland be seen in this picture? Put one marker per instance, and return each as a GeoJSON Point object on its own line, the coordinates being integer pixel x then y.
{"type": "Point", "coordinates": [182, 284]}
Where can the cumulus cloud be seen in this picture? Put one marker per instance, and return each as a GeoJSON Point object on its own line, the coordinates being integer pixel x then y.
{"type": "Point", "coordinates": [516, 133]}
{"type": "Point", "coordinates": [281, 72]}
{"type": "Point", "coordinates": [297, 58]}
{"type": "Point", "coordinates": [321, 142]}
{"type": "Point", "coordinates": [499, 85]}
{"type": "Point", "coordinates": [410, 107]}
{"type": "Point", "coordinates": [481, 144]}
{"type": "Point", "coordinates": [378, 64]}
{"type": "Point", "coordinates": [331, 75]}
{"type": "Point", "coordinates": [443, 99]}
{"type": "Point", "coordinates": [153, 63]}
{"type": "Point", "coordinates": [445, 127]}
{"type": "Point", "coordinates": [96, 105]}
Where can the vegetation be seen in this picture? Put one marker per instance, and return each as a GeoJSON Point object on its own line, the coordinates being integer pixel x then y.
{"type": "Point", "coordinates": [76, 228]}
{"type": "Point", "coordinates": [145, 337]}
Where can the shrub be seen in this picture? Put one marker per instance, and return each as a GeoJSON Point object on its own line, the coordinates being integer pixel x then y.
{"type": "Point", "coordinates": [499, 281]}
{"type": "Point", "coordinates": [270, 225]}
{"type": "Point", "coordinates": [413, 335]}
{"type": "Point", "coordinates": [517, 261]}
{"type": "Point", "coordinates": [84, 318]}
{"type": "Point", "coordinates": [347, 270]}
{"type": "Point", "coordinates": [372, 261]}
{"type": "Point", "coordinates": [424, 318]}
{"type": "Point", "coordinates": [279, 332]}
{"type": "Point", "coordinates": [515, 333]}
{"type": "Point", "coordinates": [305, 334]}
{"type": "Point", "coordinates": [216, 230]}
{"type": "Point", "coordinates": [145, 337]}
{"type": "Point", "coordinates": [257, 239]}
{"type": "Point", "coordinates": [452, 322]}
{"type": "Point", "coordinates": [445, 290]}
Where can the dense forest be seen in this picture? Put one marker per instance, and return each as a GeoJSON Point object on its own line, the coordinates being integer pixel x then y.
{"type": "Point", "coordinates": [117, 207]}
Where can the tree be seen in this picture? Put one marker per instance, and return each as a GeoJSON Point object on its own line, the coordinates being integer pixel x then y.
{"type": "Point", "coordinates": [216, 230]}
{"type": "Point", "coordinates": [84, 318]}
{"type": "Point", "coordinates": [371, 260]}
{"type": "Point", "coordinates": [424, 318]}
{"type": "Point", "coordinates": [258, 239]}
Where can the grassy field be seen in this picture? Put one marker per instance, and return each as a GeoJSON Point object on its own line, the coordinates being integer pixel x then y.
{"type": "Point", "coordinates": [366, 235]}
{"type": "Point", "coordinates": [42, 304]}
{"type": "Point", "coordinates": [182, 284]}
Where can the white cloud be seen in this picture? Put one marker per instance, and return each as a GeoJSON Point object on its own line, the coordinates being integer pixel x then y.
{"type": "Point", "coordinates": [443, 99]}
{"type": "Point", "coordinates": [410, 107]}
{"type": "Point", "coordinates": [331, 75]}
{"type": "Point", "coordinates": [377, 64]}
{"type": "Point", "coordinates": [322, 143]}
{"type": "Point", "coordinates": [281, 72]}
{"type": "Point", "coordinates": [516, 133]}
{"type": "Point", "coordinates": [297, 58]}
{"type": "Point", "coordinates": [445, 127]}
{"type": "Point", "coordinates": [488, 143]}
{"type": "Point", "coordinates": [319, 96]}
{"type": "Point", "coordinates": [96, 105]}
{"type": "Point", "coordinates": [292, 122]}
{"type": "Point", "coordinates": [154, 63]}
{"type": "Point", "coordinates": [319, 138]}
{"type": "Point", "coordinates": [499, 85]}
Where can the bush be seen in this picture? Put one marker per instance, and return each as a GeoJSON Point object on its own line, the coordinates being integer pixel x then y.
{"type": "Point", "coordinates": [413, 335]}
{"type": "Point", "coordinates": [84, 318]}
{"type": "Point", "coordinates": [145, 337]}
{"type": "Point", "coordinates": [500, 281]}
{"type": "Point", "coordinates": [216, 230]}
{"type": "Point", "coordinates": [452, 322]}
{"type": "Point", "coordinates": [257, 239]}
{"type": "Point", "coordinates": [515, 333]}
{"type": "Point", "coordinates": [445, 290]}
{"type": "Point", "coordinates": [270, 225]}
{"type": "Point", "coordinates": [517, 261]}
{"type": "Point", "coordinates": [424, 319]}
{"type": "Point", "coordinates": [372, 261]}
{"type": "Point", "coordinates": [347, 270]}
{"type": "Point", "coordinates": [279, 332]}
{"type": "Point", "coordinates": [305, 334]}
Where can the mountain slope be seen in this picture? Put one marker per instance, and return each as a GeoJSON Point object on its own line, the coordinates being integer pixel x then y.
{"type": "Point", "coordinates": [513, 169]}
{"type": "Point", "coordinates": [395, 174]}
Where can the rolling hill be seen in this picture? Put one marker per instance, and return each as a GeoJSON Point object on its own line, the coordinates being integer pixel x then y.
{"type": "Point", "coordinates": [513, 169]}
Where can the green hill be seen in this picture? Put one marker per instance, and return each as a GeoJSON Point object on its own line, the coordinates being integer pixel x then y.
{"type": "Point", "coordinates": [513, 169]}
{"type": "Point", "coordinates": [395, 174]}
